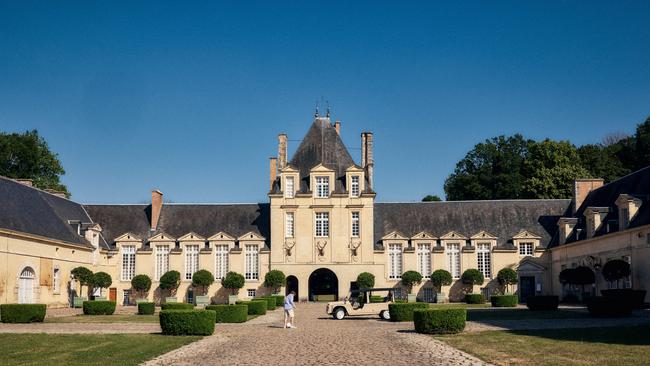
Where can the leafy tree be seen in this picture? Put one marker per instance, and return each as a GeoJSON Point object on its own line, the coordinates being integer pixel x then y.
{"type": "Point", "coordinates": [441, 277]}
{"type": "Point", "coordinates": [507, 277]}
{"type": "Point", "coordinates": [84, 276]}
{"type": "Point", "coordinates": [274, 279]}
{"type": "Point", "coordinates": [102, 280]}
{"type": "Point", "coordinates": [641, 146]}
{"type": "Point", "coordinates": [431, 198]}
{"type": "Point", "coordinates": [616, 270]}
{"type": "Point", "coordinates": [410, 279]}
{"type": "Point", "coordinates": [203, 279]}
{"type": "Point", "coordinates": [233, 281]}
{"type": "Point", "coordinates": [141, 284]}
{"type": "Point", "coordinates": [366, 280]}
{"type": "Point", "coordinates": [27, 156]}
{"type": "Point", "coordinates": [170, 281]}
{"type": "Point", "coordinates": [472, 277]}
{"type": "Point", "coordinates": [602, 161]}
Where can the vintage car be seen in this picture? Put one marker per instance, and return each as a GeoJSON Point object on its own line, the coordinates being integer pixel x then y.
{"type": "Point", "coordinates": [366, 301]}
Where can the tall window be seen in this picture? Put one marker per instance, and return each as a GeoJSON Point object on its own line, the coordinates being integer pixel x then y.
{"type": "Point", "coordinates": [221, 261]}
{"type": "Point", "coordinates": [525, 249]}
{"type": "Point", "coordinates": [288, 225]}
{"type": "Point", "coordinates": [289, 187]}
{"type": "Point", "coordinates": [252, 262]}
{"type": "Point", "coordinates": [191, 260]}
{"type": "Point", "coordinates": [56, 276]}
{"type": "Point", "coordinates": [128, 262]}
{"type": "Point", "coordinates": [484, 259]}
{"type": "Point", "coordinates": [355, 225]}
{"type": "Point", "coordinates": [395, 261]}
{"type": "Point", "coordinates": [322, 187]}
{"type": "Point", "coordinates": [424, 260]}
{"type": "Point", "coordinates": [354, 186]}
{"type": "Point", "coordinates": [162, 260]}
{"type": "Point", "coordinates": [322, 224]}
{"type": "Point", "coordinates": [453, 259]}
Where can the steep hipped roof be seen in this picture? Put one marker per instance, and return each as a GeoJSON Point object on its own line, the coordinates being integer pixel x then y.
{"type": "Point", "coordinates": [32, 211]}
{"type": "Point", "coordinates": [504, 219]}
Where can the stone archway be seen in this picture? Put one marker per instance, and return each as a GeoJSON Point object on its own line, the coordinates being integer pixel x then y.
{"type": "Point", "coordinates": [323, 285]}
{"type": "Point", "coordinates": [292, 285]}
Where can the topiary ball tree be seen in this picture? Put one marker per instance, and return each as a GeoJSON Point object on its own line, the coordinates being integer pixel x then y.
{"type": "Point", "coordinates": [472, 277]}
{"type": "Point", "coordinates": [202, 279]}
{"type": "Point", "coordinates": [410, 279]}
{"type": "Point", "coordinates": [102, 280]}
{"type": "Point", "coordinates": [616, 270]}
{"type": "Point", "coordinates": [170, 281]}
{"type": "Point", "coordinates": [233, 281]}
{"type": "Point", "coordinates": [84, 276]}
{"type": "Point", "coordinates": [507, 277]}
{"type": "Point", "coordinates": [366, 280]}
{"type": "Point", "coordinates": [274, 279]}
{"type": "Point", "coordinates": [567, 276]}
{"type": "Point", "coordinates": [141, 284]}
{"type": "Point", "coordinates": [441, 278]}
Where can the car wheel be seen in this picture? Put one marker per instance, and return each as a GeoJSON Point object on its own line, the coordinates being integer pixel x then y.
{"type": "Point", "coordinates": [339, 314]}
{"type": "Point", "coordinates": [385, 315]}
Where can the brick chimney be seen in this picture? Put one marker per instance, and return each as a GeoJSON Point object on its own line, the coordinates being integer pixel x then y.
{"type": "Point", "coordinates": [26, 182]}
{"type": "Point", "coordinates": [367, 161]}
{"type": "Point", "coordinates": [156, 207]}
{"type": "Point", "coordinates": [581, 189]}
{"type": "Point", "coordinates": [337, 127]}
{"type": "Point", "coordinates": [273, 171]}
{"type": "Point", "coordinates": [282, 151]}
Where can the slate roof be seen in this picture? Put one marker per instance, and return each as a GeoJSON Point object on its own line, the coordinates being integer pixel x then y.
{"type": "Point", "coordinates": [33, 211]}
{"type": "Point", "coordinates": [501, 218]}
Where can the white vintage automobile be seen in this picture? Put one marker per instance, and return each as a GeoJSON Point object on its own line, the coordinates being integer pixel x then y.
{"type": "Point", "coordinates": [366, 301]}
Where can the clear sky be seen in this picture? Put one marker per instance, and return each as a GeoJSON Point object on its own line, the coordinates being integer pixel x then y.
{"type": "Point", "coordinates": [189, 97]}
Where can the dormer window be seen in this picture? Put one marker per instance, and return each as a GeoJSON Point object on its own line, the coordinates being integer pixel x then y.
{"type": "Point", "coordinates": [289, 187]}
{"type": "Point", "coordinates": [322, 187]}
{"type": "Point", "coordinates": [628, 207]}
{"type": "Point", "coordinates": [526, 249]}
{"type": "Point", "coordinates": [354, 186]}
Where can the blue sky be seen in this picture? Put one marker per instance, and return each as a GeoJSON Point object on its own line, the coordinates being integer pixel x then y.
{"type": "Point", "coordinates": [189, 97]}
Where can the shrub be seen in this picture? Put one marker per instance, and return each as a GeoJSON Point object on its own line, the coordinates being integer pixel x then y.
{"type": "Point", "coordinates": [187, 322]}
{"type": "Point", "coordinates": [439, 321]}
{"type": "Point", "coordinates": [542, 302]}
{"type": "Point", "coordinates": [583, 276]}
{"type": "Point", "coordinates": [99, 307]}
{"type": "Point", "coordinates": [203, 279]}
{"type": "Point", "coordinates": [403, 312]}
{"type": "Point", "coordinates": [141, 284]}
{"type": "Point", "coordinates": [566, 276]}
{"type": "Point", "coordinates": [410, 279]}
{"type": "Point", "coordinates": [375, 298]}
{"type": "Point", "coordinates": [608, 306]}
{"type": "Point", "coordinates": [472, 277]}
{"type": "Point", "coordinates": [279, 300]}
{"type": "Point", "coordinates": [366, 280]}
{"type": "Point", "coordinates": [274, 279]}
{"type": "Point", "coordinates": [504, 301]}
{"type": "Point", "coordinates": [507, 277]}
{"type": "Point", "coordinates": [176, 306]}
{"type": "Point", "coordinates": [229, 313]}
{"type": "Point", "coordinates": [233, 281]}
{"type": "Point", "coordinates": [255, 307]}
{"type": "Point", "coordinates": [84, 276]}
{"type": "Point", "coordinates": [146, 308]}
{"type": "Point", "coordinates": [474, 299]}
{"type": "Point", "coordinates": [170, 281]}
{"type": "Point", "coordinates": [441, 278]}
{"type": "Point", "coordinates": [102, 280]}
{"type": "Point", "coordinates": [636, 297]}
{"type": "Point", "coordinates": [22, 313]}
{"type": "Point", "coordinates": [616, 270]}
{"type": "Point", "coordinates": [270, 302]}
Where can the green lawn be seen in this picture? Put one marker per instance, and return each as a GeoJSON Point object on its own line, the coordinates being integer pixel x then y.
{"type": "Point", "coordinates": [85, 349]}
{"type": "Point", "coordinates": [522, 314]}
{"type": "Point", "coordinates": [616, 346]}
{"type": "Point", "coordinates": [131, 318]}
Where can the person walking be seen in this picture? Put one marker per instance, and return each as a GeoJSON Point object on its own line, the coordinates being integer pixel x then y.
{"type": "Point", "coordinates": [289, 307]}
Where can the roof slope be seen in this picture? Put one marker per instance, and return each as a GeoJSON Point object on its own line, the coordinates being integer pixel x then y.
{"type": "Point", "coordinates": [504, 219]}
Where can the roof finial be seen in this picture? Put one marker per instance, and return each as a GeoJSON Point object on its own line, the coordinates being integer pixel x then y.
{"type": "Point", "coordinates": [328, 109]}
{"type": "Point", "coordinates": [316, 113]}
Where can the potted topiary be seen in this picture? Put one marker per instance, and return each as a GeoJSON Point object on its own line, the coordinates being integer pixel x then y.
{"type": "Point", "coordinates": [102, 280]}
{"type": "Point", "coordinates": [441, 278]}
{"type": "Point", "coordinates": [506, 277]}
{"type": "Point", "coordinates": [614, 271]}
{"type": "Point", "coordinates": [274, 280]}
{"type": "Point", "coordinates": [470, 278]}
{"type": "Point", "coordinates": [85, 278]}
{"type": "Point", "coordinates": [410, 279]}
{"type": "Point", "coordinates": [169, 282]}
{"type": "Point", "coordinates": [583, 276]}
{"type": "Point", "coordinates": [233, 281]}
{"type": "Point", "coordinates": [202, 279]}
{"type": "Point", "coordinates": [141, 284]}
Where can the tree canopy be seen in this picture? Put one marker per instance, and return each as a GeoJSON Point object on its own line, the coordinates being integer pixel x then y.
{"type": "Point", "coordinates": [431, 198]}
{"type": "Point", "coordinates": [233, 281]}
{"type": "Point", "coordinates": [410, 279]}
{"type": "Point", "coordinates": [274, 279]}
{"type": "Point", "coordinates": [366, 280]}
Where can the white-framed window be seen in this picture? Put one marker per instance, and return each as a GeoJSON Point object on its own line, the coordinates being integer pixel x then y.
{"type": "Point", "coordinates": [322, 187]}
{"type": "Point", "coordinates": [484, 259]}
{"type": "Point", "coordinates": [354, 186]}
{"type": "Point", "coordinates": [128, 262]}
{"type": "Point", "coordinates": [289, 225]}
{"type": "Point", "coordinates": [289, 187]}
{"type": "Point", "coordinates": [162, 260]}
{"type": "Point", "coordinates": [356, 224]}
{"type": "Point", "coordinates": [322, 224]}
{"type": "Point", "coordinates": [526, 249]}
{"type": "Point", "coordinates": [424, 259]}
{"type": "Point", "coordinates": [427, 294]}
{"type": "Point", "coordinates": [251, 292]}
{"type": "Point", "coordinates": [252, 262]}
{"type": "Point", "coordinates": [56, 281]}
{"type": "Point", "coordinates": [453, 259]}
{"type": "Point", "coordinates": [221, 261]}
{"type": "Point", "coordinates": [394, 261]}
{"type": "Point", "coordinates": [191, 260]}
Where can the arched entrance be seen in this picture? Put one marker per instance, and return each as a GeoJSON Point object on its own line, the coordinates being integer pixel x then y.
{"type": "Point", "coordinates": [323, 285]}
{"type": "Point", "coordinates": [26, 286]}
{"type": "Point", "coordinates": [292, 285]}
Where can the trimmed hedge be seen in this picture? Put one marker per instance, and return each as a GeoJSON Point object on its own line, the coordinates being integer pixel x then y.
{"type": "Point", "coordinates": [22, 313]}
{"type": "Point", "coordinates": [376, 298]}
{"type": "Point", "coordinates": [229, 313]}
{"type": "Point", "coordinates": [403, 312]}
{"type": "Point", "coordinates": [146, 308]}
{"type": "Point", "coordinates": [255, 307]}
{"type": "Point", "coordinates": [608, 306]}
{"type": "Point", "coordinates": [504, 301]}
{"type": "Point", "coordinates": [187, 322]}
{"type": "Point", "coordinates": [279, 300]}
{"type": "Point", "coordinates": [270, 302]}
{"type": "Point", "coordinates": [542, 302]}
{"type": "Point", "coordinates": [99, 307]}
{"type": "Point", "coordinates": [636, 297]}
{"type": "Point", "coordinates": [439, 321]}
{"type": "Point", "coordinates": [474, 299]}
{"type": "Point", "coordinates": [177, 306]}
